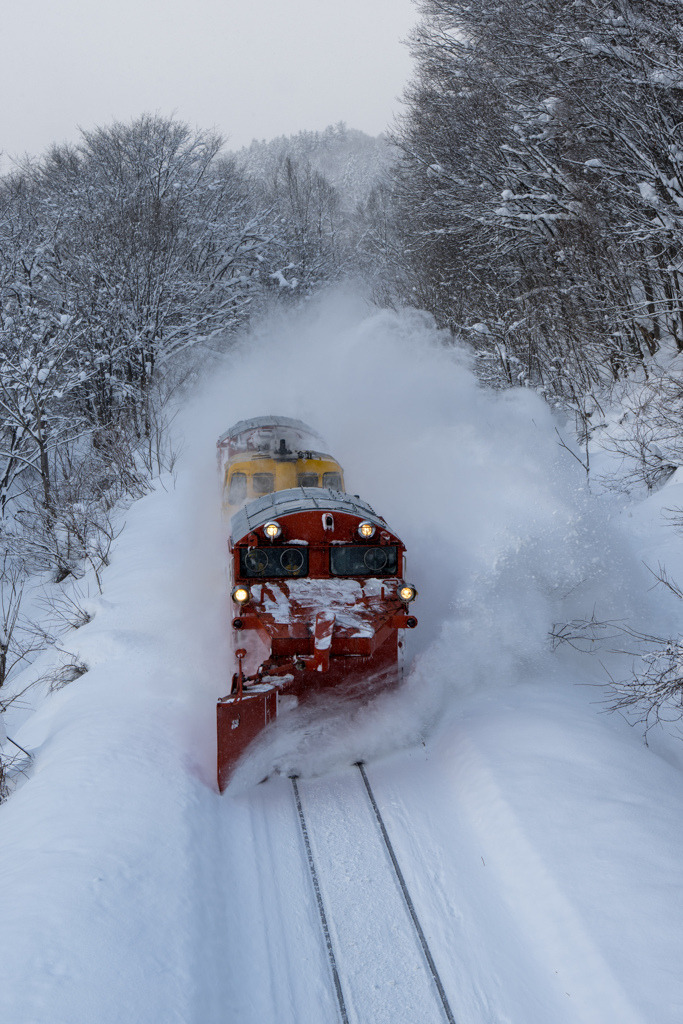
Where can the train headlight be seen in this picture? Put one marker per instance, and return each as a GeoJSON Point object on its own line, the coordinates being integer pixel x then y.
{"type": "Point", "coordinates": [272, 530]}
{"type": "Point", "coordinates": [241, 594]}
{"type": "Point", "coordinates": [407, 593]}
{"type": "Point", "coordinates": [367, 530]}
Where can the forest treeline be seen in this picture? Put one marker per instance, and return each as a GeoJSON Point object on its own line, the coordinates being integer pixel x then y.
{"type": "Point", "coordinates": [540, 188]}
{"type": "Point", "coordinates": [530, 197]}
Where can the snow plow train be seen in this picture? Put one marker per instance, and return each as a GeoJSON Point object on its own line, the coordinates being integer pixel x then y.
{"type": "Point", "coordinates": [317, 582]}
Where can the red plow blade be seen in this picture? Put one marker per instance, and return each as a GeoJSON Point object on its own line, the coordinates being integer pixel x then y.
{"type": "Point", "coordinates": [239, 721]}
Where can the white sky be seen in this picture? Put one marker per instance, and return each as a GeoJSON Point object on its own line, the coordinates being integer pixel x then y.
{"type": "Point", "coordinates": [250, 68]}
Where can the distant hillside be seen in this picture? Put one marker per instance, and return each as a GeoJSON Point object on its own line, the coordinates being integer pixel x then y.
{"type": "Point", "coordinates": [350, 160]}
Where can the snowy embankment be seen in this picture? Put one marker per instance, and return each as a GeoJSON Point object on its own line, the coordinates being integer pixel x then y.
{"type": "Point", "coordinates": [540, 839]}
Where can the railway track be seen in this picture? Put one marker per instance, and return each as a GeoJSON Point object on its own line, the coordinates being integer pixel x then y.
{"type": "Point", "coordinates": [381, 964]}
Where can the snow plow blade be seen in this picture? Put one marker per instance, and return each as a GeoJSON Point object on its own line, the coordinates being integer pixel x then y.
{"type": "Point", "coordinates": [239, 720]}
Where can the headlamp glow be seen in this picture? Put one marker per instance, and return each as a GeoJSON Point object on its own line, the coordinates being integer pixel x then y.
{"type": "Point", "coordinates": [241, 594]}
{"type": "Point", "coordinates": [367, 530]}
{"type": "Point", "coordinates": [272, 530]}
{"type": "Point", "coordinates": [407, 593]}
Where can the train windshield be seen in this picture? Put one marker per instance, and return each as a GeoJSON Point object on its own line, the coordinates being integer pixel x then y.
{"type": "Point", "coordinates": [237, 489]}
{"type": "Point", "coordinates": [333, 481]}
{"type": "Point", "coordinates": [263, 483]}
{"type": "Point", "coordinates": [274, 562]}
{"type": "Point", "coordinates": [359, 560]}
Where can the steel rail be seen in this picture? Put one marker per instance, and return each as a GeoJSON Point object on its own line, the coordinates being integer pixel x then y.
{"type": "Point", "coordinates": [319, 900]}
{"type": "Point", "coordinates": [406, 896]}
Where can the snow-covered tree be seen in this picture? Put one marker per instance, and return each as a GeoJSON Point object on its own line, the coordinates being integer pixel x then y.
{"type": "Point", "coordinates": [541, 178]}
{"type": "Point", "coordinates": [308, 226]}
{"type": "Point", "coordinates": [351, 161]}
{"type": "Point", "coordinates": [320, 189]}
{"type": "Point", "coordinates": [152, 243]}
{"type": "Point", "coordinates": [39, 379]}
{"type": "Point", "coordinates": [117, 257]}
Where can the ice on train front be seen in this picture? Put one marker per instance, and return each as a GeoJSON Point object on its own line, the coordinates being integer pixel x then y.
{"type": "Point", "coordinates": [319, 603]}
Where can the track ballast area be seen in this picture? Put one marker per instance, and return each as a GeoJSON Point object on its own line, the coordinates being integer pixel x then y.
{"type": "Point", "coordinates": [376, 947]}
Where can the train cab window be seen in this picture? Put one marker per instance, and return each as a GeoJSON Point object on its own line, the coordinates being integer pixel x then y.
{"type": "Point", "coordinates": [277, 562]}
{"type": "Point", "coordinates": [237, 488]}
{"type": "Point", "coordinates": [333, 481]}
{"type": "Point", "coordinates": [263, 483]}
{"type": "Point", "coordinates": [308, 479]}
{"type": "Point", "coordinates": [360, 560]}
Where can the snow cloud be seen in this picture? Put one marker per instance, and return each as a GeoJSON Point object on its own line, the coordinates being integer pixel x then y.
{"type": "Point", "coordinates": [503, 538]}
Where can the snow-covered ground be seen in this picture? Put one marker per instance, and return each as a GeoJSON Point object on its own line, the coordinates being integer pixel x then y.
{"type": "Point", "coordinates": [539, 837]}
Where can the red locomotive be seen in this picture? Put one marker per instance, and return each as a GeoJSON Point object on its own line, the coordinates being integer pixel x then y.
{"type": "Point", "coordinates": [319, 602]}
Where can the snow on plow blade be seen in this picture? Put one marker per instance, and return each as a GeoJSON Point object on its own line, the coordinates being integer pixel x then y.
{"type": "Point", "coordinates": [239, 720]}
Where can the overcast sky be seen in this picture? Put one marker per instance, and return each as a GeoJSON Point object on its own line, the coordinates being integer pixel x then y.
{"type": "Point", "coordinates": [250, 68]}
